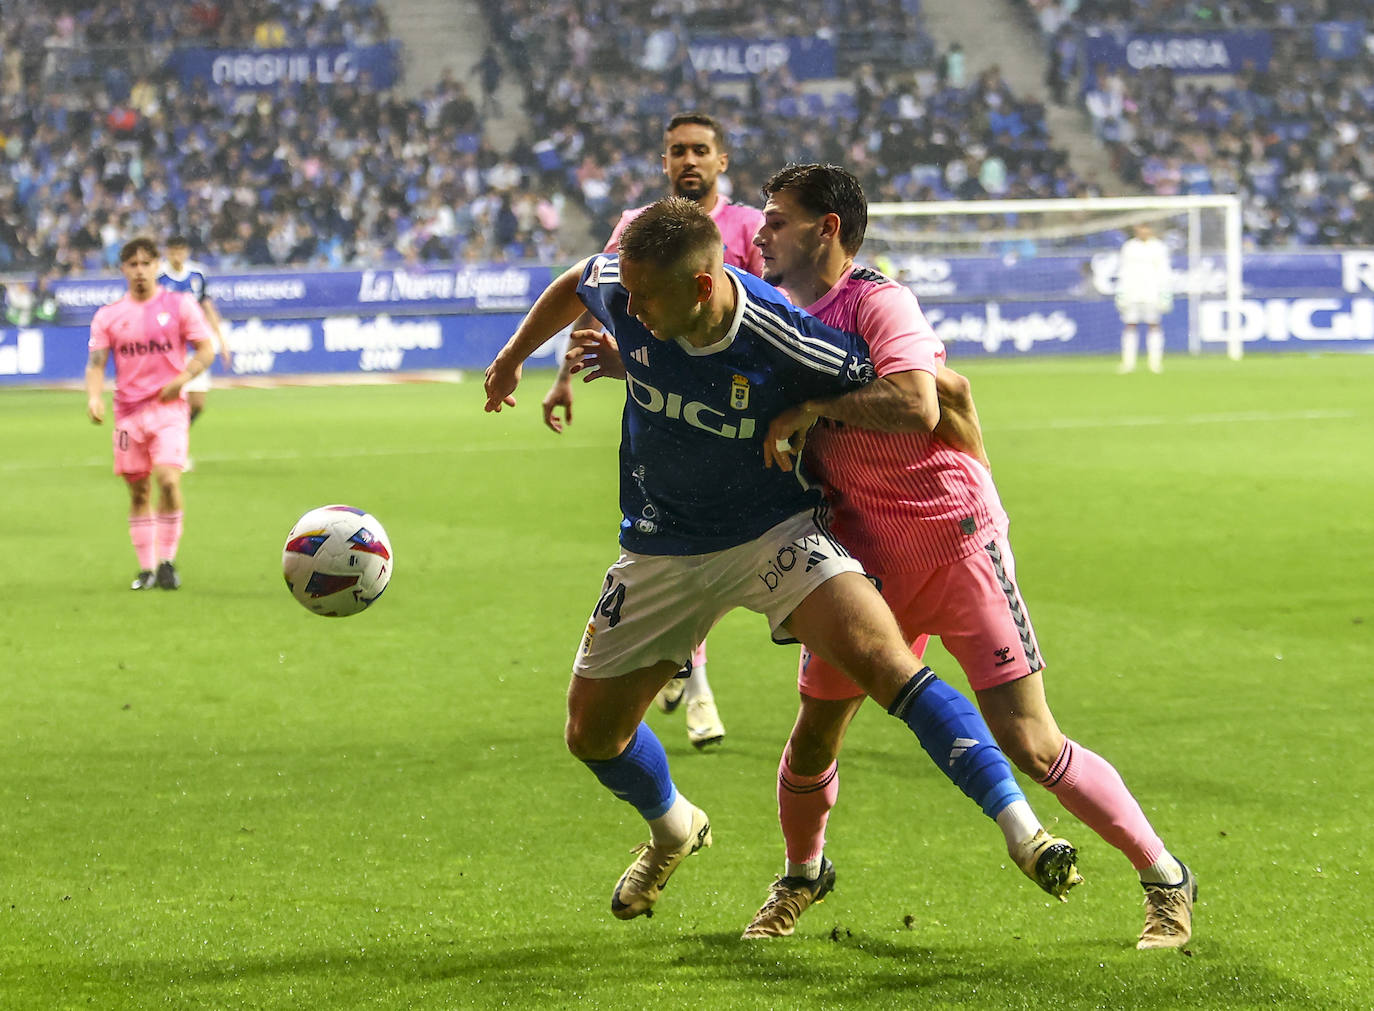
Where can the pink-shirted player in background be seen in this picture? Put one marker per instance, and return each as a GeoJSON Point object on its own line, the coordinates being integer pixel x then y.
{"type": "Point", "coordinates": [925, 519]}
{"type": "Point", "coordinates": [148, 332]}
{"type": "Point", "coordinates": [694, 158]}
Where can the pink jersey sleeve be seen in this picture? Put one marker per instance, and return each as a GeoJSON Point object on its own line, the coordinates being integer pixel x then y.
{"type": "Point", "coordinates": [900, 339]}
{"type": "Point", "coordinates": [100, 330]}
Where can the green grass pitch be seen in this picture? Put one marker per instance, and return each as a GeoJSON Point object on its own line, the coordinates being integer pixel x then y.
{"type": "Point", "coordinates": [213, 799]}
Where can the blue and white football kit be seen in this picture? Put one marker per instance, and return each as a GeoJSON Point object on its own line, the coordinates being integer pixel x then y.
{"type": "Point", "coordinates": [706, 527]}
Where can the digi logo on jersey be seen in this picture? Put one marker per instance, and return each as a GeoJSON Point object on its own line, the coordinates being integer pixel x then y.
{"type": "Point", "coordinates": [693, 412]}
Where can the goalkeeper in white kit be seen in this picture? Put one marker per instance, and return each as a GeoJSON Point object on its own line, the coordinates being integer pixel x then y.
{"type": "Point", "coordinates": [1144, 294]}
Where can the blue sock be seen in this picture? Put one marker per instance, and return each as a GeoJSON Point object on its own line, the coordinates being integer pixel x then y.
{"type": "Point", "coordinates": [957, 740]}
{"type": "Point", "coordinates": [639, 774]}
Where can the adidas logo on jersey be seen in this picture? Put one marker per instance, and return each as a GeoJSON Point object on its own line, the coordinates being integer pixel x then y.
{"type": "Point", "coordinates": [641, 355]}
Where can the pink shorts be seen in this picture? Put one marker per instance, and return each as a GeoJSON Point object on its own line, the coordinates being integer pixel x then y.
{"type": "Point", "coordinates": [975, 608]}
{"type": "Point", "coordinates": [152, 436]}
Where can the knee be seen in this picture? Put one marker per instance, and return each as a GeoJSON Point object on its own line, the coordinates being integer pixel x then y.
{"type": "Point", "coordinates": [809, 754]}
{"type": "Point", "coordinates": [1030, 746]}
{"type": "Point", "coordinates": [589, 743]}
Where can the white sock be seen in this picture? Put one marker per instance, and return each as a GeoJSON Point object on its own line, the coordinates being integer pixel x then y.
{"type": "Point", "coordinates": [674, 825]}
{"type": "Point", "coordinates": [1154, 348]}
{"type": "Point", "coordinates": [1166, 870]}
{"type": "Point", "coordinates": [1018, 823]}
{"type": "Point", "coordinates": [1130, 347]}
{"type": "Point", "coordinates": [697, 685]}
{"type": "Point", "coordinates": [811, 870]}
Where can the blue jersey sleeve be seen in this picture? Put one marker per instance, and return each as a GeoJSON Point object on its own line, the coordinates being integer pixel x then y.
{"type": "Point", "coordinates": [600, 283]}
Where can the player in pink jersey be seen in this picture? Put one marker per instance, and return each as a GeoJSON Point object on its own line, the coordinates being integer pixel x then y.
{"type": "Point", "coordinates": [926, 520]}
{"type": "Point", "coordinates": [148, 332]}
{"type": "Point", "coordinates": [694, 157]}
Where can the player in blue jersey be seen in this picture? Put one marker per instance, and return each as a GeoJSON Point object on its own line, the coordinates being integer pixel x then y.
{"type": "Point", "coordinates": [711, 355]}
{"type": "Point", "coordinates": [181, 273]}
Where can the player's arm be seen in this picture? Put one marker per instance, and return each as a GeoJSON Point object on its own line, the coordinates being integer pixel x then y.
{"type": "Point", "coordinates": [203, 359]}
{"type": "Point", "coordinates": [95, 384]}
{"type": "Point", "coordinates": [560, 393]}
{"type": "Point", "coordinates": [216, 322]}
{"type": "Point", "coordinates": [959, 425]}
{"type": "Point", "coordinates": [899, 402]}
{"type": "Point", "coordinates": [555, 308]}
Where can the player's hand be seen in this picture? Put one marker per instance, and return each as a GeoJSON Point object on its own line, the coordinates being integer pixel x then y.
{"type": "Point", "coordinates": [560, 395]}
{"type": "Point", "coordinates": [500, 384]}
{"type": "Point", "coordinates": [170, 392]}
{"type": "Point", "coordinates": [596, 352]}
{"type": "Point", "coordinates": [95, 410]}
{"type": "Point", "coordinates": [786, 437]}
{"type": "Point", "coordinates": [226, 359]}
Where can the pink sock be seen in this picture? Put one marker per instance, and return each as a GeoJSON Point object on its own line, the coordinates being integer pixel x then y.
{"type": "Point", "coordinates": [168, 535]}
{"type": "Point", "coordinates": [699, 657]}
{"type": "Point", "coordinates": [1092, 790]}
{"type": "Point", "coordinates": [804, 804]}
{"type": "Point", "coordinates": [143, 534]}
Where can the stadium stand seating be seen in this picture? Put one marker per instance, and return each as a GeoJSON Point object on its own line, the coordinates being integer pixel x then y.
{"type": "Point", "coordinates": [1295, 140]}
{"type": "Point", "coordinates": [99, 141]}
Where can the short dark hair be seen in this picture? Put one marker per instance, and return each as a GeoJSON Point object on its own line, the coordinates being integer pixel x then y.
{"type": "Point", "coordinates": [697, 119]}
{"type": "Point", "coordinates": [673, 231]}
{"type": "Point", "coordinates": [179, 240]}
{"type": "Point", "coordinates": [133, 247]}
{"type": "Point", "coordinates": [826, 189]}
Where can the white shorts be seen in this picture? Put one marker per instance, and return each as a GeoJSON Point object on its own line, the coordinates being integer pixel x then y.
{"type": "Point", "coordinates": [1139, 312]}
{"type": "Point", "coordinates": [198, 384]}
{"type": "Point", "coordinates": [660, 607]}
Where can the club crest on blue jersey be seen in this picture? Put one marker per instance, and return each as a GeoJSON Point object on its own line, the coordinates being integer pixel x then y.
{"type": "Point", "coordinates": [739, 392]}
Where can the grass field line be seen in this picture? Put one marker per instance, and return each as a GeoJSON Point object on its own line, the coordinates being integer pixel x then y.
{"type": "Point", "coordinates": [273, 455]}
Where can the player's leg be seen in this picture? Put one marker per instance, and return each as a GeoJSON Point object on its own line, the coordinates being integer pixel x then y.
{"type": "Point", "coordinates": [808, 786]}
{"type": "Point", "coordinates": [133, 462]}
{"type": "Point", "coordinates": [196, 400]}
{"type": "Point", "coordinates": [845, 622]}
{"type": "Point", "coordinates": [704, 726]}
{"type": "Point", "coordinates": [643, 615]}
{"type": "Point", "coordinates": [606, 731]}
{"type": "Point", "coordinates": [169, 437]}
{"type": "Point", "coordinates": [1154, 347]}
{"type": "Point", "coordinates": [142, 529]}
{"type": "Point", "coordinates": [1011, 694]}
{"type": "Point", "coordinates": [1130, 336]}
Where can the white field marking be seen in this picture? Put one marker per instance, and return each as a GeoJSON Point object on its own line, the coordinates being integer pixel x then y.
{"type": "Point", "coordinates": [261, 456]}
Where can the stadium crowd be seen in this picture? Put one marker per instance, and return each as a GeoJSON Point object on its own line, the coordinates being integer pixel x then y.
{"type": "Point", "coordinates": [100, 140]}
{"type": "Point", "coordinates": [305, 175]}
{"type": "Point", "coordinates": [1296, 139]}
{"type": "Point", "coordinates": [910, 126]}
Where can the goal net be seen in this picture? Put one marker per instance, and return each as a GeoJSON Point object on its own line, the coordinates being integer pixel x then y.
{"type": "Point", "coordinates": [1021, 273]}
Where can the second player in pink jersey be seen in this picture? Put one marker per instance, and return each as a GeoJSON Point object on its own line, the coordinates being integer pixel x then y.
{"type": "Point", "coordinates": [694, 158]}
{"type": "Point", "coordinates": [930, 525]}
{"type": "Point", "coordinates": [148, 333]}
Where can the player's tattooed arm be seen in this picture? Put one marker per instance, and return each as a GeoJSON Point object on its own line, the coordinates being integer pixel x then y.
{"type": "Point", "coordinates": [959, 425]}
{"type": "Point", "coordinates": [899, 402]}
{"type": "Point", "coordinates": [95, 384]}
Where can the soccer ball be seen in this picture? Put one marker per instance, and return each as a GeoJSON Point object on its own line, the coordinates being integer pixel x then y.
{"type": "Point", "coordinates": [337, 560]}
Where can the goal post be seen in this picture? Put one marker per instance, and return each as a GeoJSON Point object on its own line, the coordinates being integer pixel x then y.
{"type": "Point", "coordinates": [1062, 251]}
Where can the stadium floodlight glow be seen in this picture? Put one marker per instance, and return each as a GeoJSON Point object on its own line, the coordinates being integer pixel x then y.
{"type": "Point", "coordinates": [1203, 231]}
